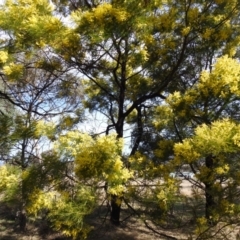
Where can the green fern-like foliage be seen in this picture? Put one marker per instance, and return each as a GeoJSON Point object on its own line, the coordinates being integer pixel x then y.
{"type": "Point", "coordinates": [69, 212]}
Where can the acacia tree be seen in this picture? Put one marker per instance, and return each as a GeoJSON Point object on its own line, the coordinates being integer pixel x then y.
{"type": "Point", "coordinates": [134, 53]}
{"type": "Point", "coordinates": [211, 108]}
{"type": "Point", "coordinates": [33, 79]}
{"type": "Point", "coordinates": [39, 86]}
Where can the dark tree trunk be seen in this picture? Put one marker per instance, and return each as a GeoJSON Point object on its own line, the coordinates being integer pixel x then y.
{"type": "Point", "coordinates": [209, 195]}
{"type": "Point", "coordinates": [21, 220]}
{"type": "Point", "coordinates": [210, 203]}
{"type": "Point", "coordinates": [115, 210]}
{"type": "Point", "coordinates": [115, 200]}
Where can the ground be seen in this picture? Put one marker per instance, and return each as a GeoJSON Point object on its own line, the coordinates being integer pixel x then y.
{"type": "Point", "coordinates": [130, 229]}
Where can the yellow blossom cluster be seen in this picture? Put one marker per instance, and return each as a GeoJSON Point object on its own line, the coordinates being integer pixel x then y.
{"type": "Point", "coordinates": [223, 80]}
{"type": "Point", "coordinates": [39, 199]}
{"type": "Point", "coordinates": [3, 56]}
{"type": "Point", "coordinates": [164, 115]}
{"type": "Point", "coordinates": [13, 71]}
{"type": "Point", "coordinates": [10, 184]}
{"type": "Point", "coordinates": [31, 22]}
{"type": "Point", "coordinates": [215, 139]}
{"type": "Point", "coordinates": [9, 175]}
{"type": "Point", "coordinates": [45, 129]}
{"type": "Point", "coordinates": [98, 159]}
{"type": "Point", "coordinates": [102, 14]}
